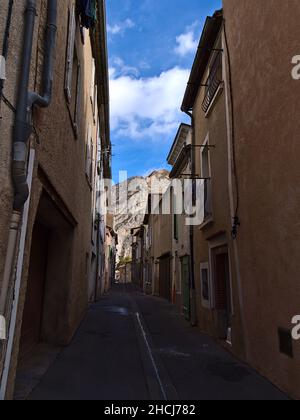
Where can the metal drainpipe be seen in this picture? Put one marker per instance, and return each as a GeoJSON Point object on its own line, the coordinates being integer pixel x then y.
{"type": "Point", "coordinates": [22, 131]}
{"type": "Point", "coordinates": [6, 40]}
{"type": "Point", "coordinates": [192, 263]}
{"type": "Point", "coordinates": [21, 134]}
{"type": "Point", "coordinates": [22, 127]}
{"type": "Point", "coordinates": [44, 100]}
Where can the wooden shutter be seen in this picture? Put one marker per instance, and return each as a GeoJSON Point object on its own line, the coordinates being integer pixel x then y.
{"type": "Point", "coordinates": [92, 162]}
{"type": "Point", "coordinates": [77, 99]}
{"type": "Point", "coordinates": [88, 154]}
{"type": "Point", "coordinates": [70, 53]}
{"type": "Point", "coordinates": [92, 91]}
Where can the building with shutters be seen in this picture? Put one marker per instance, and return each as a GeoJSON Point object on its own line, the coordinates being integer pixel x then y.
{"type": "Point", "coordinates": [243, 287]}
{"type": "Point", "coordinates": [214, 297]}
{"type": "Point", "coordinates": [58, 260]}
{"type": "Point", "coordinates": [180, 160]}
{"type": "Point", "coordinates": [263, 130]}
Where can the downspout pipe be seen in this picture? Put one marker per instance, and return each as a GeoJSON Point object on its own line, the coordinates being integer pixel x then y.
{"type": "Point", "coordinates": [26, 100]}
{"type": "Point", "coordinates": [44, 100]}
{"type": "Point", "coordinates": [6, 40]}
{"type": "Point", "coordinates": [21, 134]}
{"type": "Point", "coordinates": [192, 264]}
{"type": "Point", "coordinates": [22, 127]}
{"type": "Point", "coordinates": [22, 130]}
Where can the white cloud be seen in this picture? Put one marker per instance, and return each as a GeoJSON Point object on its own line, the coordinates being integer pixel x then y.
{"type": "Point", "coordinates": [147, 107]}
{"type": "Point", "coordinates": [187, 42]}
{"type": "Point", "coordinates": [120, 28]}
{"type": "Point", "coordinates": [119, 68]}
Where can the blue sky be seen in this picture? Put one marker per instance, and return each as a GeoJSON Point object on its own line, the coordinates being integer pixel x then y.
{"type": "Point", "coordinates": [152, 45]}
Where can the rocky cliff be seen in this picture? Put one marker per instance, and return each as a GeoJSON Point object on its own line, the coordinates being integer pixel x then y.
{"type": "Point", "coordinates": [131, 203]}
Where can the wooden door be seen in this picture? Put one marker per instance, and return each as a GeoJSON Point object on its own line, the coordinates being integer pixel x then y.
{"type": "Point", "coordinates": [185, 287]}
{"type": "Point", "coordinates": [165, 278]}
{"type": "Point", "coordinates": [222, 290]}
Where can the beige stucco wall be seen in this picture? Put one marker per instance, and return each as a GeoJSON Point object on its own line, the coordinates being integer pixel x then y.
{"type": "Point", "coordinates": [60, 155]}
{"type": "Point", "coordinates": [266, 106]}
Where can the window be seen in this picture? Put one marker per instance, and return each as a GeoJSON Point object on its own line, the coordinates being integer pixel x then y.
{"type": "Point", "coordinates": [214, 81]}
{"type": "Point", "coordinates": [150, 236]}
{"type": "Point", "coordinates": [206, 174]}
{"type": "Point", "coordinates": [89, 157]}
{"type": "Point", "coordinates": [176, 227]}
{"type": "Point", "coordinates": [98, 150]}
{"type": "Point", "coordinates": [73, 73]}
{"type": "Point", "coordinates": [92, 81]}
{"type": "Point", "coordinates": [95, 102]}
{"type": "Point", "coordinates": [93, 90]}
{"type": "Point", "coordinates": [205, 285]}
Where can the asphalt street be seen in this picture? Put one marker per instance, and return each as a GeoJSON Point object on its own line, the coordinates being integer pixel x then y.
{"type": "Point", "coordinates": [135, 347]}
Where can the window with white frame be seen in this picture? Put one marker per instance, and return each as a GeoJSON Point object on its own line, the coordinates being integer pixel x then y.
{"type": "Point", "coordinates": [73, 72]}
{"type": "Point", "coordinates": [205, 285]}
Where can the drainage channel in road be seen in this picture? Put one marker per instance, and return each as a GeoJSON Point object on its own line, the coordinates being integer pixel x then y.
{"type": "Point", "coordinates": [159, 383]}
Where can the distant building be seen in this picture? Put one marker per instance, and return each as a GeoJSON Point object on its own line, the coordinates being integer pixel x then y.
{"type": "Point", "coordinates": [137, 256]}
{"type": "Point", "coordinates": [158, 273]}
{"type": "Point", "coordinates": [124, 273]}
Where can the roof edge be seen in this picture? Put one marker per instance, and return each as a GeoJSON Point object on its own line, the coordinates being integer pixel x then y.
{"type": "Point", "coordinates": [208, 38]}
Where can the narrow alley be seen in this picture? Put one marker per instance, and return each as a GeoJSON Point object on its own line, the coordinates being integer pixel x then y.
{"type": "Point", "coordinates": [132, 347]}
{"type": "Point", "coordinates": [149, 201]}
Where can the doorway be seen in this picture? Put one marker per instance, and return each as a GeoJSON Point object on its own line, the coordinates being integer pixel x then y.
{"type": "Point", "coordinates": [45, 321]}
{"type": "Point", "coordinates": [33, 309]}
{"type": "Point", "coordinates": [222, 286]}
{"type": "Point", "coordinates": [185, 287]}
{"type": "Point", "coordinates": [165, 278]}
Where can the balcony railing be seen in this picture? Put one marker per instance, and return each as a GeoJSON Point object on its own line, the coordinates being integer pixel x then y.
{"type": "Point", "coordinates": [213, 82]}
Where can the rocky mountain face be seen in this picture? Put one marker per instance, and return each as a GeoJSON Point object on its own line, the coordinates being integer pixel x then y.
{"type": "Point", "coordinates": [131, 198]}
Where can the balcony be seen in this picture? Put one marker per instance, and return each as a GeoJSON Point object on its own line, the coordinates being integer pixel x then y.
{"type": "Point", "coordinates": [213, 82]}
